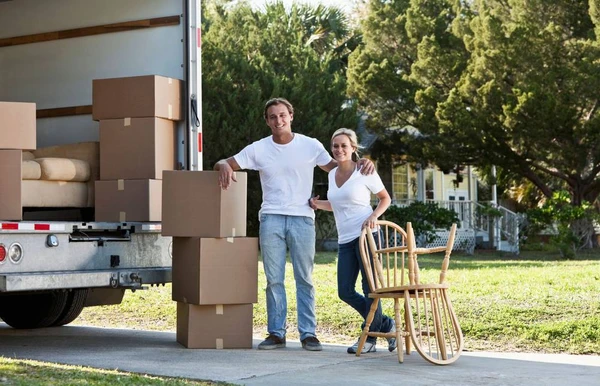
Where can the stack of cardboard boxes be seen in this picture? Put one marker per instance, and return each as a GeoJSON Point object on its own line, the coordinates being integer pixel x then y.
{"type": "Point", "coordinates": [137, 142]}
{"type": "Point", "coordinates": [215, 266]}
{"type": "Point", "coordinates": [17, 133]}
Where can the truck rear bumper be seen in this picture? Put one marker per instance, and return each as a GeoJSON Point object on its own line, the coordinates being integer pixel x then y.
{"type": "Point", "coordinates": [123, 278]}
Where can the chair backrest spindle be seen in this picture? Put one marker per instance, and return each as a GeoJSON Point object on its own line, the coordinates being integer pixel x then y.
{"type": "Point", "coordinates": [413, 266]}
{"type": "Point", "coordinates": [449, 246]}
{"type": "Point", "coordinates": [364, 247]}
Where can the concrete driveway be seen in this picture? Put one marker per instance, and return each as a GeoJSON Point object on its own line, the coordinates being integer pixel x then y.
{"type": "Point", "coordinates": [158, 353]}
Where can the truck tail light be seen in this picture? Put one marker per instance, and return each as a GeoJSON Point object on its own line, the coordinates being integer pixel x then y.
{"type": "Point", "coordinates": [15, 252]}
{"type": "Point", "coordinates": [2, 253]}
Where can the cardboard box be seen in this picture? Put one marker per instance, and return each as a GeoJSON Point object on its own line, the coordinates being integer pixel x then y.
{"type": "Point", "coordinates": [17, 125]}
{"type": "Point", "coordinates": [215, 271]}
{"type": "Point", "coordinates": [10, 185]}
{"type": "Point", "coordinates": [214, 326]}
{"type": "Point", "coordinates": [195, 206]}
{"type": "Point", "coordinates": [128, 200]}
{"type": "Point", "coordinates": [137, 97]}
{"type": "Point", "coordinates": [136, 148]}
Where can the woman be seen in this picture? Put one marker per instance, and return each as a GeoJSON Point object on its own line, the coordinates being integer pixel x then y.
{"type": "Point", "coordinates": [349, 197]}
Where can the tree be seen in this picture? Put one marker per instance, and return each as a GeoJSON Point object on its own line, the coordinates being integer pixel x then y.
{"type": "Point", "coordinates": [250, 56]}
{"type": "Point", "coordinates": [410, 61]}
{"type": "Point", "coordinates": [489, 82]}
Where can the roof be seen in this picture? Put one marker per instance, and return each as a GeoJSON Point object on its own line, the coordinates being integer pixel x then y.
{"type": "Point", "coordinates": [368, 138]}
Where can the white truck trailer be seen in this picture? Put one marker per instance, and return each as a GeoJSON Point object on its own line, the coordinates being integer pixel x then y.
{"type": "Point", "coordinates": [50, 51]}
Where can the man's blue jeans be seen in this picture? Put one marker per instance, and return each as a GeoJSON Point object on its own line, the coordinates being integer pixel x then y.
{"type": "Point", "coordinates": [277, 234]}
{"type": "Point", "coordinates": [349, 265]}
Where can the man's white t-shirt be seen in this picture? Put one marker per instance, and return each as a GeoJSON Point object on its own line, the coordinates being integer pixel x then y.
{"type": "Point", "coordinates": [286, 172]}
{"type": "Point", "coordinates": [351, 203]}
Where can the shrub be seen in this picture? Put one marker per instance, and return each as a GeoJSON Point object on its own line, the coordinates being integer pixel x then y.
{"type": "Point", "coordinates": [573, 223]}
{"type": "Point", "coordinates": [425, 219]}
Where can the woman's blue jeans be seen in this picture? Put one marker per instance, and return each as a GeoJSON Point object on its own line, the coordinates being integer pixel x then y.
{"type": "Point", "coordinates": [349, 265]}
{"type": "Point", "coordinates": [278, 233]}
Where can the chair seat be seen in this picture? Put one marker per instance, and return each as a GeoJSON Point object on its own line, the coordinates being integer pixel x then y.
{"type": "Point", "coordinates": [425, 251]}
{"type": "Point", "coordinates": [394, 291]}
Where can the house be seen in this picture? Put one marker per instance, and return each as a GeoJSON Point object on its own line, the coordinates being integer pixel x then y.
{"type": "Point", "coordinates": [465, 193]}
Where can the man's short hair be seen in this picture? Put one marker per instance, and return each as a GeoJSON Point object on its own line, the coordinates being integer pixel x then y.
{"type": "Point", "coordinates": [278, 101]}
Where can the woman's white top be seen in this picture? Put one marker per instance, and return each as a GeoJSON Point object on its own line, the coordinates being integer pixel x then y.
{"type": "Point", "coordinates": [351, 203]}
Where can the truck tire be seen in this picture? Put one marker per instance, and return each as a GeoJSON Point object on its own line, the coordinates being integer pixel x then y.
{"type": "Point", "coordinates": [75, 301]}
{"type": "Point", "coordinates": [37, 310]}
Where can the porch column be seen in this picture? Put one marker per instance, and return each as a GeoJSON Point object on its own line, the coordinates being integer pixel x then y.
{"type": "Point", "coordinates": [494, 195]}
{"type": "Point", "coordinates": [495, 229]}
{"type": "Point", "coordinates": [420, 183]}
{"type": "Point", "coordinates": [470, 198]}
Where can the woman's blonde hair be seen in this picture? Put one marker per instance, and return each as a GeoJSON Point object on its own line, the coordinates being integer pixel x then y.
{"type": "Point", "coordinates": [353, 141]}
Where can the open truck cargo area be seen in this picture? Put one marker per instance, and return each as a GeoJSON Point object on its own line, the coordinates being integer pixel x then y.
{"type": "Point", "coordinates": [56, 259]}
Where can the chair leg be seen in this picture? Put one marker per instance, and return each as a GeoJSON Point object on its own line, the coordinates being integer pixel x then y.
{"type": "Point", "coordinates": [368, 321]}
{"type": "Point", "coordinates": [434, 327]}
{"type": "Point", "coordinates": [407, 341]}
{"type": "Point", "coordinates": [399, 330]}
{"type": "Point", "coordinates": [439, 331]}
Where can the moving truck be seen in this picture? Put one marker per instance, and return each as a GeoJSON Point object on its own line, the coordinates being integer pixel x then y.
{"type": "Point", "coordinates": [53, 263]}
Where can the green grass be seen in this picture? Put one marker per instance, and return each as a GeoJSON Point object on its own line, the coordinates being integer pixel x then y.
{"type": "Point", "coordinates": [543, 304]}
{"type": "Point", "coordinates": [536, 302]}
{"type": "Point", "coordinates": [32, 373]}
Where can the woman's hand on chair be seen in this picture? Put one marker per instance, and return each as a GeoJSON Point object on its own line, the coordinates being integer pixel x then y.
{"type": "Point", "coordinates": [370, 221]}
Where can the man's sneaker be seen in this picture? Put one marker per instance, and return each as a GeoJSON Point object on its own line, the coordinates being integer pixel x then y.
{"type": "Point", "coordinates": [368, 347]}
{"type": "Point", "coordinates": [392, 341]}
{"type": "Point", "coordinates": [311, 344]}
{"type": "Point", "coordinates": [272, 341]}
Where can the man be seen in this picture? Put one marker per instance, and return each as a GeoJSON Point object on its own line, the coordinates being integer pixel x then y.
{"type": "Point", "coordinates": [286, 162]}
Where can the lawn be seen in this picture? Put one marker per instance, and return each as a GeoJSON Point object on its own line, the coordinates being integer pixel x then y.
{"type": "Point", "coordinates": [536, 302]}
{"type": "Point", "coordinates": [33, 373]}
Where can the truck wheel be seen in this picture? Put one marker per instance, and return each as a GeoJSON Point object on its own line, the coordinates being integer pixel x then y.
{"type": "Point", "coordinates": [75, 301]}
{"type": "Point", "coordinates": [32, 310]}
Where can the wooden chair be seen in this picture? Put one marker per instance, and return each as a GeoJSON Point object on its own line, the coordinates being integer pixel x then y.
{"type": "Point", "coordinates": [390, 258]}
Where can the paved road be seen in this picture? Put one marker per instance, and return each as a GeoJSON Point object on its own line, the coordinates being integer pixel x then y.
{"type": "Point", "coordinates": [158, 353]}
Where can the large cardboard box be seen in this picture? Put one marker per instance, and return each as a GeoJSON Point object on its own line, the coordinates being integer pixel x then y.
{"type": "Point", "coordinates": [137, 96]}
{"type": "Point", "coordinates": [128, 200]}
{"type": "Point", "coordinates": [215, 271]}
{"type": "Point", "coordinates": [195, 206]}
{"type": "Point", "coordinates": [136, 148]}
{"type": "Point", "coordinates": [17, 125]}
{"type": "Point", "coordinates": [10, 185]}
{"type": "Point", "coordinates": [214, 326]}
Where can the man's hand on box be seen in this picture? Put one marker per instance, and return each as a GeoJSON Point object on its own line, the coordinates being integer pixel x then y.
{"type": "Point", "coordinates": [226, 175]}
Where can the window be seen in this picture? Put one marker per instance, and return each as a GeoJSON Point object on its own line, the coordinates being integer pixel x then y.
{"type": "Point", "coordinates": [429, 185]}
{"type": "Point", "coordinates": [400, 182]}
